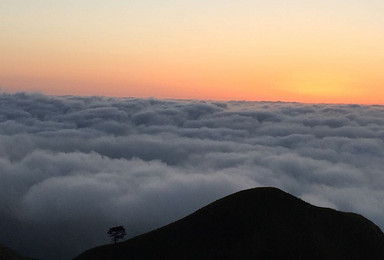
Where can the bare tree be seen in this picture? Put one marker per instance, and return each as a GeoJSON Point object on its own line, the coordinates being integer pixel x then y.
{"type": "Point", "coordinates": [116, 233]}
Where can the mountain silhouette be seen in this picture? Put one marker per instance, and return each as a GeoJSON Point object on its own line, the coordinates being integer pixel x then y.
{"type": "Point", "coordinates": [9, 254]}
{"type": "Point", "coordinates": [259, 223]}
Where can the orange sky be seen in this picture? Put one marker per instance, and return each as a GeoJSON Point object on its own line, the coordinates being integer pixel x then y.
{"type": "Point", "coordinates": [328, 51]}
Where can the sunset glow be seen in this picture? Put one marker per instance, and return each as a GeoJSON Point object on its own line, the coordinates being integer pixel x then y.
{"type": "Point", "coordinates": [328, 51]}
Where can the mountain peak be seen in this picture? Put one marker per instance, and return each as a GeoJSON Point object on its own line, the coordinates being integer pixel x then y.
{"type": "Point", "coordinates": [263, 223]}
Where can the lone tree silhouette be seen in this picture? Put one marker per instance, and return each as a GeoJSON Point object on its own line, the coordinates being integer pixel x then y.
{"type": "Point", "coordinates": [116, 233]}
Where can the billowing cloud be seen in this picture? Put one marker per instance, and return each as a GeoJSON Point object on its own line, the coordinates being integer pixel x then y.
{"type": "Point", "coordinates": [71, 167]}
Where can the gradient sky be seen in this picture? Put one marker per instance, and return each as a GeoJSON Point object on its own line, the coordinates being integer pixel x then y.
{"type": "Point", "coordinates": [298, 50]}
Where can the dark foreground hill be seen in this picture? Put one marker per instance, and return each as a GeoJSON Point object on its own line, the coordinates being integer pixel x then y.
{"type": "Point", "coordinates": [9, 254]}
{"type": "Point", "coordinates": [260, 223]}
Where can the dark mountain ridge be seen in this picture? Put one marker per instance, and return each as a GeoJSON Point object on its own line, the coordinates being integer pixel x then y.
{"type": "Point", "coordinates": [260, 223]}
{"type": "Point", "coordinates": [9, 254]}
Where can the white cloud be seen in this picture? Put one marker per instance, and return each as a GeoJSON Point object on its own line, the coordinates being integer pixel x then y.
{"type": "Point", "coordinates": [79, 165]}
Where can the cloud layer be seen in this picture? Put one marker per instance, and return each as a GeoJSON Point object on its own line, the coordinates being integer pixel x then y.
{"type": "Point", "coordinates": [71, 167]}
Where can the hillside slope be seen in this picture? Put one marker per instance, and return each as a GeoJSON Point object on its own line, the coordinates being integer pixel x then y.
{"type": "Point", "coordinates": [8, 254]}
{"type": "Point", "coordinates": [262, 223]}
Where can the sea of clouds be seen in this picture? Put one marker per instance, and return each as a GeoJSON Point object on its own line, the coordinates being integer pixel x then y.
{"type": "Point", "coordinates": [71, 167]}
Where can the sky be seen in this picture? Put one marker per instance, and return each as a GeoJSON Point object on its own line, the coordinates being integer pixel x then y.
{"type": "Point", "coordinates": [328, 51]}
{"type": "Point", "coordinates": [72, 167]}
